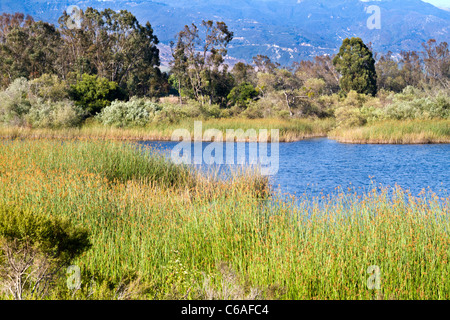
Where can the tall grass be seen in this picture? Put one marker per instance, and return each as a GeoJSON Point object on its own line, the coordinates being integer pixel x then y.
{"type": "Point", "coordinates": [396, 132]}
{"type": "Point", "coordinates": [384, 132]}
{"type": "Point", "coordinates": [290, 130]}
{"type": "Point", "coordinates": [177, 239]}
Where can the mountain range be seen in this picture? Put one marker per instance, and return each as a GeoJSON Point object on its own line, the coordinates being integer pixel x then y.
{"type": "Point", "coordinates": [284, 30]}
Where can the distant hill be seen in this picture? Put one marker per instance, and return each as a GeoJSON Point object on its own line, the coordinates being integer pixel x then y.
{"type": "Point", "coordinates": [285, 30]}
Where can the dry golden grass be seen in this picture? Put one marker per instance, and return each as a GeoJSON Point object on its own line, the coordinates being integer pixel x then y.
{"type": "Point", "coordinates": [396, 132]}
{"type": "Point", "coordinates": [289, 130]}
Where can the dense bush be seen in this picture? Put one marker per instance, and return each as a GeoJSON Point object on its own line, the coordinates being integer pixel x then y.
{"type": "Point", "coordinates": [212, 111]}
{"type": "Point", "coordinates": [15, 103]}
{"type": "Point", "coordinates": [270, 106]}
{"type": "Point", "coordinates": [253, 111]}
{"type": "Point", "coordinates": [94, 93]}
{"type": "Point", "coordinates": [410, 104]}
{"type": "Point", "coordinates": [23, 104]}
{"type": "Point", "coordinates": [136, 112]}
{"type": "Point", "coordinates": [33, 248]}
{"type": "Point", "coordinates": [140, 112]}
{"type": "Point", "coordinates": [54, 114]}
{"type": "Point", "coordinates": [243, 94]}
{"type": "Point", "coordinates": [50, 87]}
{"type": "Point", "coordinates": [349, 117]}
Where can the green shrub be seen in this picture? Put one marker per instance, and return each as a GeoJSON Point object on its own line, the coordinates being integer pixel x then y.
{"type": "Point", "coordinates": [61, 114]}
{"type": "Point", "coordinates": [94, 93]}
{"type": "Point", "coordinates": [174, 113]}
{"type": "Point", "coordinates": [349, 117]}
{"type": "Point", "coordinates": [212, 111]}
{"type": "Point", "coordinates": [253, 111]}
{"type": "Point", "coordinates": [353, 100]}
{"type": "Point", "coordinates": [134, 113]}
{"type": "Point", "coordinates": [50, 87]}
{"type": "Point", "coordinates": [243, 94]}
{"type": "Point", "coordinates": [326, 104]}
{"type": "Point", "coordinates": [15, 102]}
{"type": "Point", "coordinates": [372, 113]}
{"type": "Point", "coordinates": [34, 248]}
{"type": "Point", "coordinates": [33, 103]}
{"type": "Point", "coordinates": [270, 105]}
{"type": "Point", "coordinates": [410, 106]}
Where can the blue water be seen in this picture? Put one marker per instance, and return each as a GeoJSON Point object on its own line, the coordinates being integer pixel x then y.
{"type": "Point", "coordinates": [319, 166]}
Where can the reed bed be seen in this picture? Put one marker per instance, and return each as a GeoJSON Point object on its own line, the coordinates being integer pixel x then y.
{"type": "Point", "coordinates": [396, 132]}
{"type": "Point", "coordinates": [383, 132]}
{"type": "Point", "coordinates": [290, 130]}
{"type": "Point", "coordinates": [179, 235]}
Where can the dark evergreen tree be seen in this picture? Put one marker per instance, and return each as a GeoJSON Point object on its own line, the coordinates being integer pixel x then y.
{"type": "Point", "coordinates": [356, 65]}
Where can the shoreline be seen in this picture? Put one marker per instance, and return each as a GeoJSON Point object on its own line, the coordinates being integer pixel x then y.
{"type": "Point", "coordinates": [166, 139]}
{"type": "Point", "coordinates": [159, 139]}
{"type": "Point", "coordinates": [345, 141]}
{"type": "Point", "coordinates": [388, 132]}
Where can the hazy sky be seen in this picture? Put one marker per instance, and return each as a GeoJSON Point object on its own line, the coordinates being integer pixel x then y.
{"type": "Point", "coordinates": [439, 3]}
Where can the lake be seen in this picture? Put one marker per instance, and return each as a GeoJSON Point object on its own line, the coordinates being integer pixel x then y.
{"type": "Point", "coordinates": [319, 166]}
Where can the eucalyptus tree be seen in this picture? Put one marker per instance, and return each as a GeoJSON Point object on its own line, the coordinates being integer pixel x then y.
{"type": "Point", "coordinates": [389, 75]}
{"type": "Point", "coordinates": [27, 48]}
{"type": "Point", "coordinates": [436, 58]}
{"type": "Point", "coordinates": [115, 46]}
{"type": "Point", "coordinates": [199, 58]}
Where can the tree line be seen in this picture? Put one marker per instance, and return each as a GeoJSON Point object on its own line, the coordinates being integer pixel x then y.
{"type": "Point", "coordinates": [112, 56]}
{"type": "Point", "coordinates": [111, 45]}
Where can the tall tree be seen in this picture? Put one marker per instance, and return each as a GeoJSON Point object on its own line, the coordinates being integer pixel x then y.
{"type": "Point", "coordinates": [200, 55]}
{"type": "Point", "coordinates": [320, 68]}
{"type": "Point", "coordinates": [115, 46]}
{"type": "Point", "coordinates": [264, 64]}
{"type": "Point", "coordinates": [356, 65]}
{"type": "Point", "coordinates": [179, 77]}
{"type": "Point", "coordinates": [389, 76]}
{"type": "Point", "coordinates": [411, 68]}
{"type": "Point", "coordinates": [27, 48]}
{"type": "Point", "coordinates": [437, 62]}
{"type": "Point", "coordinates": [244, 73]}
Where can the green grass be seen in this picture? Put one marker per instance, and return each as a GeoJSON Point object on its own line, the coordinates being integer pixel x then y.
{"type": "Point", "coordinates": [396, 132]}
{"type": "Point", "coordinates": [190, 240]}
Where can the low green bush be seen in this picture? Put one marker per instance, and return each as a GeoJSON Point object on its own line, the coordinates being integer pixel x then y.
{"type": "Point", "coordinates": [349, 117]}
{"type": "Point", "coordinates": [35, 104]}
{"type": "Point", "coordinates": [61, 114]}
{"type": "Point", "coordinates": [410, 104]}
{"type": "Point", "coordinates": [253, 111]}
{"type": "Point", "coordinates": [50, 87]}
{"type": "Point", "coordinates": [134, 113]}
{"type": "Point", "coordinates": [421, 108]}
{"type": "Point", "coordinates": [15, 102]}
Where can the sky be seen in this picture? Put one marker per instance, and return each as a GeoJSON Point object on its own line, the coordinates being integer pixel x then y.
{"type": "Point", "coordinates": [439, 3]}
